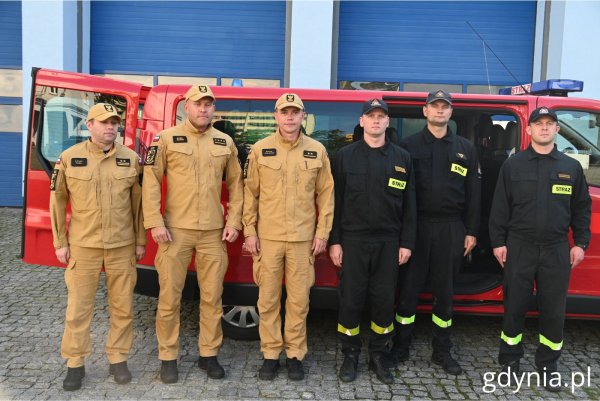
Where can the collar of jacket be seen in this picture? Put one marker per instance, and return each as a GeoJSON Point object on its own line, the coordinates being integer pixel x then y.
{"type": "Point", "coordinates": [283, 143]}
{"type": "Point", "coordinates": [532, 154]}
{"type": "Point", "coordinates": [384, 150]}
{"type": "Point", "coordinates": [190, 129]}
{"type": "Point", "coordinates": [429, 137]}
{"type": "Point", "coordinates": [97, 151]}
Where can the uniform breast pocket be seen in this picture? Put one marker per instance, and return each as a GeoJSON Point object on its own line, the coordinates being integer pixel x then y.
{"type": "Point", "coordinates": [459, 168]}
{"type": "Point", "coordinates": [561, 190]}
{"type": "Point", "coordinates": [423, 169]}
{"type": "Point", "coordinates": [270, 174]}
{"type": "Point", "coordinates": [396, 183]}
{"type": "Point", "coordinates": [218, 160]}
{"type": "Point", "coordinates": [82, 188]}
{"type": "Point", "coordinates": [524, 187]}
{"type": "Point", "coordinates": [123, 180]}
{"type": "Point", "coordinates": [180, 158]}
{"type": "Point", "coordinates": [308, 170]}
{"type": "Point", "coordinates": [356, 182]}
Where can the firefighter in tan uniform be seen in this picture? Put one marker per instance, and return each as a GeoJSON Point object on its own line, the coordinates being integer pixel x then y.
{"type": "Point", "coordinates": [192, 156]}
{"type": "Point", "coordinates": [100, 179]}
{"type": "Point", "coordinates": [285, 175]}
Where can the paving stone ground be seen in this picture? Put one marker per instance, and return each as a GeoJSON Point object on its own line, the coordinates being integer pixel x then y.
{"type": "Point", "coordinates": [32, 306]}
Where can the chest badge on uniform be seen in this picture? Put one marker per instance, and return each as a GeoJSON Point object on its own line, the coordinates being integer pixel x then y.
{"type": "Point", "coordinates": [562, 189]}
{"type": "Point", "coordinates": [269, 152]}
{"type": "Point", "coordinates": [79, 162]}
{"type": "Point", "coordinates": [400, 169]}
{"type": "Point", "coordinates": [123, 162]}
{"type": "Point", "coordinates": [461, 156]}
{"type": "Point", "coordinates": [394, 183]}
{"type": "Point", "coordinates": [220, 141]}
{"type": "Point", "coordinates": [151, 156]}
{"type": "Point", "coordinates": [564, 176]}
{"type": "Point", "coordinates": [310, 154]}
{"type": "Point", "coordinates": [458, 169]}
{"type": "Point", "coordinates": [180, 139]}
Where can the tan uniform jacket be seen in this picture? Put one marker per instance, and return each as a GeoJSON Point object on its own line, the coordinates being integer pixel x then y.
{"type": "Point", "coordinates": [281, 182]}
{"type": "Point", "coordinates": [193, 164]}
{"type": "Point", "coordinates": [105, 196]}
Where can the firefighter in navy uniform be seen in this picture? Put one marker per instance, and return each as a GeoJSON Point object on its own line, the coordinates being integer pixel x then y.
{"type": "Point", "coordinates": [100, 179]}
{"type": "Point", "coordinates": [540, 193]}
{"type": "Point", "coordinates": [374, 229]}
{"type": "Point", "coordinates": [448, 185]}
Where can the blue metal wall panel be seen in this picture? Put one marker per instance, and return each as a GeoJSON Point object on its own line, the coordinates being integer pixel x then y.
{"type": "Point", "coordinates": [10, 34]}
{"type": "Point", "coordinates": [432, 42]}
{"type": "Point", "coordinates": [206, 38]}
{"type": "Point", "coordinates": [12, 165]}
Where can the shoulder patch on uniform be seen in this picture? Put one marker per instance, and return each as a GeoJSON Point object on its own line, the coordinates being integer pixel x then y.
{"type": "Point", "coordinates": [79, 162]}
{"type": "Point", "coordinates": [246, 165]}
{"type": "Point", "coordinates": [123, 162]}
{"type": "Point", "coordinates": [53, 179]}
{"type": "Point", "coordinates": [180, 139]}
{"type": "Point", "coordinates": [564, 176]}
{"type": "Point", "coordinates": [310, 154]}
{"type": "Point", "coordinates": [269, 152]}
{"type": "Point", "coordinates": [400, 169]}
{"type": "Point", "coordinates": [220, 141]}
{"type": "Point", "coordinates": [151, 156]}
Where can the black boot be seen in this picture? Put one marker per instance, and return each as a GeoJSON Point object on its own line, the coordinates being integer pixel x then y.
{"type": "Point", "coordinates": [512, 368]}
{"type": "Point", "coordinates": [120, 372]}
{"type": "Point", "coordinates": [548, 378]}
{"type": "Point", "coordinates": [445, 360]}
{"type": "Point", "coordinates": [268, 370]}
{"type": "Point", "coordinates": [168, 371]}
{"type": "Point", "coordinates": [399, 353]}
{"type": "Point", "coordinates": [349, 368]}
{"type": "Point", "coordinates": [74, 377]}
{"type": "Point", "coordinates": [295, 369]}
{"type": "Point", "coordinates": [378, 363]}
{"type": "Point", "coordinates": [213, 369]}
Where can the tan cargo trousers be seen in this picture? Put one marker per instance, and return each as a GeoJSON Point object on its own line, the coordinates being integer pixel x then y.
{"type": "Point", "coordinates": [295, 261]}
{"type": "Point", "coordinates": [172, 260]}
{"type": "Point", "coordinates": [82, 276]}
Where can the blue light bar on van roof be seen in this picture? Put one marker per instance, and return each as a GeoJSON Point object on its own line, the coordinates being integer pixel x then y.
{"type": "Point", "coordinates": [550, 87]}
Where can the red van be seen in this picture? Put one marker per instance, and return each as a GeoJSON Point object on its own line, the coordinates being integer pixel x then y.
{"type": "Point", "coordinates": [494, 123]}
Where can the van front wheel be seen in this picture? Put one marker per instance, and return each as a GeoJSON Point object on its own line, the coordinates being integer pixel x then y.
{"type": "Point", "coordinates": [240, 322]}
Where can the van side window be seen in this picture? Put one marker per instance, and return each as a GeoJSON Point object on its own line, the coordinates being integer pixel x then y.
{"type": "Point", "coordinates": [579, 137]}
{"type": "Point", "coordinates": [59, 119]}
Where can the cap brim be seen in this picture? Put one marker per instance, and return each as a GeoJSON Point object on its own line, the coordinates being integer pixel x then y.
{"type": "Point", "coordinates": [104, 117]}
{"type": "Point", "coordinates": [370, 109]}
{"type": "Point", "coordinates": [289, 104]}
{"type": "Point", "coordinates": [443, 100]}
{"type": "Point", "coordinates": [200, 96]}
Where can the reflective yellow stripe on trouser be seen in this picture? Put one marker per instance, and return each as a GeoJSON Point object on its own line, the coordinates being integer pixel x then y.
{"type": "Point", "coordinates": [349, 332]}
{"type": "Point", "coordinates": [382, 330]}
{"type": "Point", "coordinates": [441, 323]}
{"type": "Point", "coordinates": [405, 320]}
{"type": "Point", "coordinates": [511, 340]}
{"type": "Point", "coordinates": [550, 344]}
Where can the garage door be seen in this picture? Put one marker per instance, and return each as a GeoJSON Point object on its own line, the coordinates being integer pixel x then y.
{"type": "Point", "coordinates": [10, 103]}
{"type": "Point", "coordinates": [216, 39]}
{"type": "Point", "coordinates": [433, 42]}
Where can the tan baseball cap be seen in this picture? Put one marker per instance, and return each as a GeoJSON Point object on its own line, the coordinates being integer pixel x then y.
{"type": "Point", "coordinates": [289, 100]}
{"type": "Point", "coordinates": [102, 112]}
{"type": "Point", "coordinates": [197, 92]}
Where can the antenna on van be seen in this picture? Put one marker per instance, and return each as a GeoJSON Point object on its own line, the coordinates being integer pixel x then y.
{"type": "Point", "coordinates": [497, 57]}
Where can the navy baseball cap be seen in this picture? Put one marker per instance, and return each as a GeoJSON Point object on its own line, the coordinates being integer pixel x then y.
{"type": "Point", "coordinates": [439, 95]}
{"type": "Point", "coordinates": [541, 112]}
{"type": "Point", "coordinates": [374, 104]}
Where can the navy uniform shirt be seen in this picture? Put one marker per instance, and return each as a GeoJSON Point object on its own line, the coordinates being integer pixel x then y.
{"type": "Point", "coordinates": [538, 197]}
{"type": "Point", "coordinates": [374, 194]}
{"type": "Point", "coordinates": [448, 179]}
